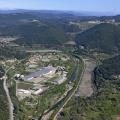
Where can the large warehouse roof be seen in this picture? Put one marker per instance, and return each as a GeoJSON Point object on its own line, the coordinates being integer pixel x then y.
{"type": "Point", "coordinates": [41, 72]}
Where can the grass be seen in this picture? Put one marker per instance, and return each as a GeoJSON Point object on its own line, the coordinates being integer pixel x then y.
{"type": "Point", "coordinates": [23, 85]}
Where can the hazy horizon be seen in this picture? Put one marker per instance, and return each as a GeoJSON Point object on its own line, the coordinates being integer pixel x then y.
{"type": "Point", "coordinates": [107, 6]}
{"type": "Point", "coordinates": [81, 13]}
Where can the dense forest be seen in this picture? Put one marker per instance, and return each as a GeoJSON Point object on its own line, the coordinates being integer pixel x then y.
{"type": "Point", "coordinates": [110, 67]}
{"type": "Point", "coordinates": [40, 33]}
{"type": "Point", "coordinates": [102, 38]}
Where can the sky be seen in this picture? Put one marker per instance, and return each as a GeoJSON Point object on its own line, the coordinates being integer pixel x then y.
{"type": "Point", "coordinates": [111, 6]}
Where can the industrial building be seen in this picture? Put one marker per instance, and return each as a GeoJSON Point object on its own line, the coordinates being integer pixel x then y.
{"type": "Point", "coordinates": [21, 94]}
{"type": "Point", "coordinates": [38, 92]}
{"type": "Point", "coordinates": [42, 72]}
{"type": "Point", "coordinates": [59, 80]}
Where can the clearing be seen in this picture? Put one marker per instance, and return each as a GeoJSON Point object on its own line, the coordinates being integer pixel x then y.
{"type": "Point", "coordinates": [86, 89]}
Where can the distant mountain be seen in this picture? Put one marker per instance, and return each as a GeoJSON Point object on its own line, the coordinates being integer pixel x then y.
{"type": "Point", "coordinates": [102, 37]}
{"type": "Point", "coordinates": [2, 11]}
{"type": "Point", "coordinates": [54, 14]}
{"type": "Point", "coordinates": [76, 13]}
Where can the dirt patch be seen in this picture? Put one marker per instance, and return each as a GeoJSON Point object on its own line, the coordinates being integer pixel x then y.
{"type": "Point", "coordinates": [85, 88]}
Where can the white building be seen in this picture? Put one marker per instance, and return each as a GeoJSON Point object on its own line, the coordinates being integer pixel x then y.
{"type": "Point", "coordinates": [38, 92]}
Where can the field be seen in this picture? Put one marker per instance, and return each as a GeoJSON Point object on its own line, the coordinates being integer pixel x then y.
{"type": "Point", "coordinates": [24, 85]}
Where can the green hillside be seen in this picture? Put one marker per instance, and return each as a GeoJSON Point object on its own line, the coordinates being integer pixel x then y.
{"type": "Point", "coordinates": [104, 104]}
{"type": "Point", "coordinates": [102, 37]}
{"type": "Point", "coordinates": [36, 33]}
{"type": "Point", "coordinates": [108, 70]}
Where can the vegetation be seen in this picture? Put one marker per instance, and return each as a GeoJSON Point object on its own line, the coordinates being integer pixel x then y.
{"type": "Point", "coordinates": [1, 71]}
{"type": "Point", "coordinates": [37, 29]}
{"type": "Point", "coordinates": [38, 33]}
{"type": "Point", "coordinates": [24, 85]}
{"type": "Point", "coordinates": [44, 102]}
{"type": "Point", "coordinates": [110, 67]}
{"type": "Point", "coordinates": [10, 52]}
{"type": "Point", "coordinates": [101, 38]}
{"type": "Point", "coordinates": [104, 104]}
{"type": "Point", "coordinates": [76, 80]}
{"type": "Point", "coordinates": [4, 110]}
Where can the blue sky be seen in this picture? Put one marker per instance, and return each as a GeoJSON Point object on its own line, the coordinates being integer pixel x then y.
{"type": "Point", "coordinates": [75, 5]}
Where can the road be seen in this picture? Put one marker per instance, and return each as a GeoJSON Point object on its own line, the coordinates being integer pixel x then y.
{"type": "Point", "coordinates": [11, 117]}
{"type": "Point", "coordinates": [43, 51]}
{"type": "Point", "coordinates": [72, 78]}
{"type": "Point", "coordinates": [48, 112]}
{"type": "Point", "coordinates": [11, 107]}
{"type": "Point", "coordinates": [72, 94]}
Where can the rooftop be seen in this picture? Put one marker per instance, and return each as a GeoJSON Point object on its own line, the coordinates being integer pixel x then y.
{"type": "Point", "coordinates": [40, 72]}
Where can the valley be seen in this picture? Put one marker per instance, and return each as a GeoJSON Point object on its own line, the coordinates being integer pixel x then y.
{"type": "Point", "coordinates": [63, 67]}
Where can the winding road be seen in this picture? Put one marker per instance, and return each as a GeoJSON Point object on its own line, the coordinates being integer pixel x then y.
{"type": "Point", "coordinates": [11, 117]}
{"type": "Point", "coordinates": [11, 107]}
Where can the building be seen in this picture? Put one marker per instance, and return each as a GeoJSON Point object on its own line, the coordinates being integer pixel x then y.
{"type": "Point", "coordinates": [42, 72]}
{"type": "Point", "coordinates": [19, 77]}
{"type": "Point", "coordinates": [38, 92]}
{"type": "Point", "coordinates": [21, 93]}
{"type": "Point", "coordinates": [59, 80]}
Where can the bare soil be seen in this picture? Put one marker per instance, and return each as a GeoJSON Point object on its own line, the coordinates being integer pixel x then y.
{"type": "Point", "coordinates": [85, 88]}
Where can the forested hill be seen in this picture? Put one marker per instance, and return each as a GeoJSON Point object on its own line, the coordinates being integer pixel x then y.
{"type": "Point", "coordinates": [110, 67]}
{"type": "Point", "coordinates": [103, 37]}
{"type": "Point", "coordinates": [51, 32]}
{"type": "Point", "coordinates": [33, 33]}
